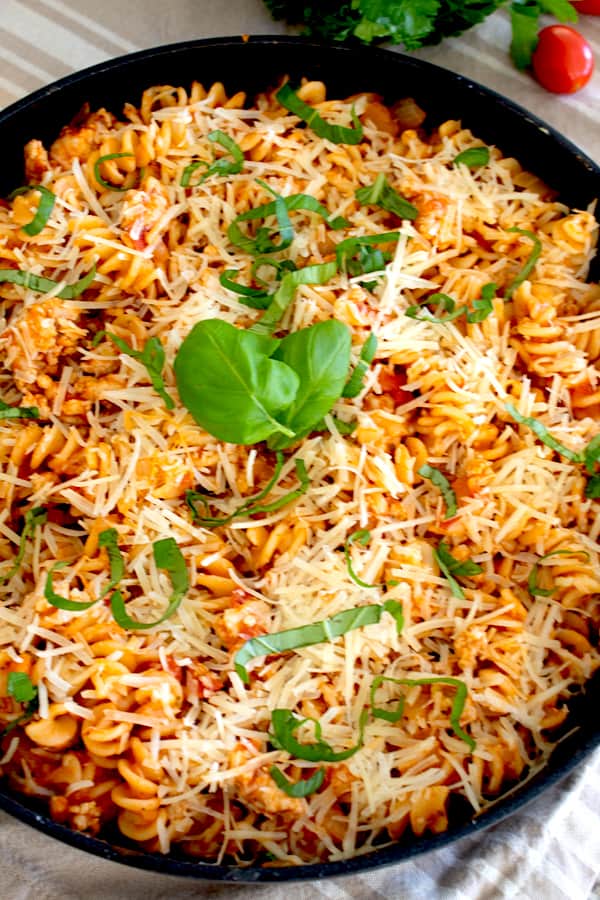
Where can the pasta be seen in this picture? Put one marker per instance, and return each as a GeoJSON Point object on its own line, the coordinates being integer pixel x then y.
{"type": "Point", "coordinates": [273, 653]}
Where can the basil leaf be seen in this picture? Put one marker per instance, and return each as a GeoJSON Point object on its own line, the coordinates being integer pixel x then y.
{"type": "Point", "coordinates": [152, 357]}
{"type": "Point", "coordinates": [592, 488]}
{"type": "Point", "coordinates": [44, 285]}
{"type": "Point", "coordinates": [337, 134]}
{"type": "Point", "coordinates": [591, 454]}
{"type": "Point", "coordinates": [20, 687]}
{"type": "Point", "coordinates": [544, 435]}
{"type": "Point", "coordinates": [343, 428]}
{"type": "Point", "coordinates": [315, 633]}
{"type": "Point", "coordinates": [320, 356]}
{"type": "Point", "coordinates": [532, 585]}
{"type": "Point", "coordinates": [280, 265]}
{"type": "Point", "coordinates": [362, 537]}
{"type": "Point", "coordinates": [18, 412]}
{"type": "Point", "coordinates": [262, 242]}
{"type": "Point", "coordinates": [285, 723]}
{"type": "Point", "coordinates": [445, 304]}
{"type": "Point", "coordinates": [284, 295]}
{"type": "Point", "coordinates": [529, 265]}
{"type": "Point", "coordinates": [382, 194]}
{"type": "Point", "coordinates": [302, 788]}
{"type": "Point", "coordinates": [252, 505]}
{"type": "Point", "coordinates": [524, 19]}
{"type": "Point", "coordinates": [253, 297]}
{"type": "Point", "coordinates": [451, 566]}
{"type": "Point", "coordinates": [63, 602]}
{"type": "Point", "coordinates": [561, 9]}
{"type": "Point", "coordinates": [229, 383]}
{"type": "Point", "coordinates": [33, 519]}
{"type": "Point", "coordinates": [369, 261]}
{"type": "Point", "coordinates": [440, 481]}
{"type": "Point", "coordinates": [354, 385]}
{"type": "Point", "coordinates": [485, 306]}
{"type": "Point", "coordinates": [108, 540]}
{"type": "Point", "coordinates": [222, 166]}
{"type": "Point", "coordinates": [473, 158]}
{"type": "Point", "coordinates": [98, 175]}
{"type": "Point", "coordinates": [44, 210]}
{"type": "Point", "coordinates": [167, 555]}
{"type": "Point", "coordinates": [458, 704]}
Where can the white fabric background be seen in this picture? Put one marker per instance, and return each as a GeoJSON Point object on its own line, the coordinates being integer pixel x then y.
{"type": "Point", "coordinates": [549, 851]}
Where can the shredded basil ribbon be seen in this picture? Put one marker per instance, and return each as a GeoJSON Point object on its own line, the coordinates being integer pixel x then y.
{"type": "Point", "coordinates": [56, 600]}
{"type": "Point", "coordinates": [98, 176]}
{"type": "Point", "coordinates": [382, 194]}
{"type": "Point", "coordinates": [44, 285]}
{"type": "Point", "coordinates": [337, 134]}
{"type": "Point", "coordinates": [302, 788]}
{"type": "Point", "coordinates": [285, 722]}
{"type": "Point", "coordinates": [368, 260]}
{"type": "Point", "coordinates": [532, 585]}
{"type": "Point", "coordinates": [280, 207]}
{"type": "Point", "coordinates": [362, 537]}
{"type": "Point", "coordinates": [529, 265]}
{"type": "Point", "coordinates": [544, 435]}
{"type": "Point", "coordinates": [315, 633]}
{"type": "Point", "coordinates": [108, 540]}
{"type": "Point", "coordinates": [221, 166]}
{"type": "Point", "coordinates": [354, 385]}
{"type": "Point", "coordinates": [168, 556]}
{"type": "Point", "coordinates": [283, 296]}
{"type": "Point", "coordinates": [152, 358]}
{"type": "Point", "coordinates": [33, 518]}
{"type": "Point", "coordinates": [458, 703]}
{"type": "Point", "coordinates": [256, 298]}
{"type": "Point", "coordinates": [20, 687]}
{"type": "Point", "coordinates": [251, 506]}
{"type": "Point", "coordinates": [473, 157]}
{"type": "Point", "coordinates": [44, 210]}
{"type": "Point", "coordinates": [440, 481]}
{"type": "Point", "coordinates": [481, 308]}
{"type": "Point", "coordinates": [451, 566]}
{"type": "Point", "coordinates": [18, 412]}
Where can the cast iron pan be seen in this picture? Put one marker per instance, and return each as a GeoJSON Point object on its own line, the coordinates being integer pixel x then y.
{"type": "Point", "coordinates": [252, 66]}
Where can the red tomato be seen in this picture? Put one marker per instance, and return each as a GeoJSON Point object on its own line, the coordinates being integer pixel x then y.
{"type": "Point", "coordinates": [392, 383]}
{"type": "Point", "coordinates": [563, 61]}
{"type": "Point", "coordinates": [591, 7]}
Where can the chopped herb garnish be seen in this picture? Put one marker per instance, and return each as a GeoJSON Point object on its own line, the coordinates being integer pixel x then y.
{"type": "Point", "coordinates": [152, 358]}
{"type": "Point", "coordinates": [284, 295]}
{"type": "Point", "coordinates": [360, 256]}
{"type": "Point", "coordinates": [382, 194]}
{"type": "Point", "coordinates": [354, 385]}
{"type": "Point", "coordinates": [529, 265]}
{"type": "Point", "coordinates": [108, 540]}
{"type": "Point", "coordinates": [285, 722]}
{"type": "Point", "coordinates": [44, 210]}
{"type": "Point", "coordinates": [98, 175]}
{"type": "Point", "coordinates": [168, 556]}
{"type": "Point", "coordinates": [482, 308]}
{"type": "Point", "coordinates": [222, 166]}
{"type": "Point", "coordinates": [592, 488]}
{"type": "Point", "coordinates": [256, 298]}
{"type": "Point", "coordinates": [473, 158]}
{"type": "Point", "coordinates": [440, 481]}
{"type": "Point", "coordinates": [591, 454]}
{"type": "Point", "coordinates": [315, 633]}
{"type": "Point", "coordinates": [532, 581]}
{"type": "Point", "coordinates": [458, 703]}
{"type": "Point", "coordinates": [451, 566]}
{"type": "Point", "coordinates": [45, 285]}
{"type": "Point", "coordinates": [18, 412]}
{"type": "Point", "coordinates": [337, 134]}
{"type": "Point", "coordinates": [59, 602]}
{"type": "Point", "coordinates": [20, 687]}
{"type": "Point", "coordinates": [33, 519]}
{"type": "Point", "coordinates": [252, 505]}
{"type": "Point", "coordinates": [303, 788]}
{"type": "Point", "coordinates": [544, 435]}
{"type": "Point", "coordinates": [362, 537]}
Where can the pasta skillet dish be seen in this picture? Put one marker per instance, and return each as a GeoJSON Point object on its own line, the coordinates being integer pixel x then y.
{"type": "Point", "coordinates": [299, 448]}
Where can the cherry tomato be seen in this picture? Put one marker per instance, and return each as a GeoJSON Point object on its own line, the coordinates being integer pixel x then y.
{"type": "Point", "coordinates": [563, 61]}
{"type": "Point", "coordinates": [591, 7]}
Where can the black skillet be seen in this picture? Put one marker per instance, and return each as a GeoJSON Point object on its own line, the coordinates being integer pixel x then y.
{"type": "Point", "coordinates": [252, 66]}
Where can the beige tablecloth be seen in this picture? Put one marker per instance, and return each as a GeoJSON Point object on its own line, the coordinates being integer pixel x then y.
{"type": "Point", "coordinates": [552, 849]}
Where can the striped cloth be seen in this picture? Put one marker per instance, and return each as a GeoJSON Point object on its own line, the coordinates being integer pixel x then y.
{"type": "Point", "coordinates": [552, 849]}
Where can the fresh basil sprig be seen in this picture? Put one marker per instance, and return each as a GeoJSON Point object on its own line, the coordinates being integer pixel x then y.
{"type": "Point", "coordinates": [482, 308]}
{"type": "Point", "coordinates": [440, 481]}
{"type": "Point", "coordinates": [315, 633]}
{"type": "Point", "coordinates": [222, 166]}
{"type": "Point", "coordinates": [168, 556]}
{"type": "Point", "coordinates": [44, 210]}
{"type": "Point", "coordinates": [152, 358]}
{"type": "Point", "coordinates": [285, 722]}
{"type": "Point", "coordinates": [252, 506]}
{"type": "Point", "coordinates": [303, 788]}
{"type": "Point", "coordinates": [529, 264]}
{"type": "Point", "coordinates": [337, 134]}
{"type": "Point", "coordinates": [532, 580]}
{"type": "Point", "coordinates": [45, 285]}
{"type": "Point", "coordinates": [451, 566]}
{"type": "Point", "coordinates": [395, 715]}
{"type": "Point", "coordinates": [98, 174]}
{"type": "Point", "coordinates": [18, 412]}
{"type": "Point", "coordinates": [33, 519]}
{"type": "Point", "coordinates": [382, 194]}
{"type": "Point", "coordinates": [473, 158]}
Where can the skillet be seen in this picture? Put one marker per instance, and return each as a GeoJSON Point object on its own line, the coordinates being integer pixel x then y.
{"type": "Point", "coordinates": [253, 65]}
